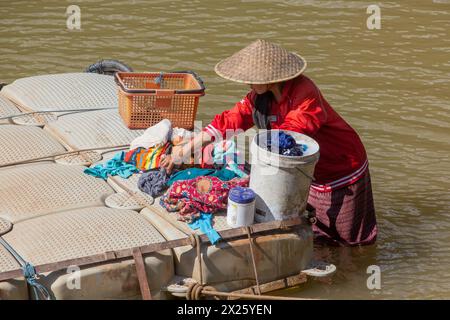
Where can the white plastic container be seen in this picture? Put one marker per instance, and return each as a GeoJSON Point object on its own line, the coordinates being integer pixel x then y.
{"type": "Point", "coordinates": [280, 182]}
{"type": "Point", "coordinates": [241, 207]}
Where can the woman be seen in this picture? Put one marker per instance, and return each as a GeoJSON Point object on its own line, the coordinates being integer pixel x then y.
{"type": "Point", "coordinates": [283, 98]}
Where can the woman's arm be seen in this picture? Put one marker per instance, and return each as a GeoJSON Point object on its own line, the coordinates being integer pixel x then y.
{"type": "Point", "coordinates": [194, 146]}
{"type": "Point", "coordinates": [223, 126]}
{"type": "Point", "coordinates": [310, 113]}
{"type": "Point", "coordinates": [230, 122]}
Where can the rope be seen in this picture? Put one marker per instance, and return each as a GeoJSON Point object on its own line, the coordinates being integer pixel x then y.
{"type": "Point", "coordinates": [197, 291]}
{"type": "Point", "coordinates": [53, 111]}
{"type": "Point", "coordinates": [39, 290]}
{"type": "Point", "coordinates": [198, 246]}
{"type": "Point", "coordinates": [246, 295]}
{"type": "Point", "coordinates": [250, 241]}
{"type": "Point", "coordinates": [29, 272]}
{"type": "Point", "coordinates": [189, 291]}
{"type": "Point", "coordinates": [63, 154]}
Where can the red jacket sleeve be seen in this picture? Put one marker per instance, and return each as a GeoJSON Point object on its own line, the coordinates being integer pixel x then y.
{"type": "Point", "coordinates": [237, 118]}
{"type": "Point", "coordinates": [308, 113]}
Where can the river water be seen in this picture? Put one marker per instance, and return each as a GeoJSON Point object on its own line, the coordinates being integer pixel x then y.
{"type": "Point", "coordinates": [391, 84]}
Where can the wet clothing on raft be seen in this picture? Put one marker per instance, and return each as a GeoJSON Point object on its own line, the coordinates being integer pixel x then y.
{"type": "Point", "coordinates": [341, 193]}
{"type": "Point", "coordinates": [192, 173]}
{"type": "Point", "coordinates": [285, 145]}
{"type": "Point", "coordinates": [189, 198]}
{"type": "Point", "coordinates": [147, 159]}
{"type": "Point", "coordinates": [113, 167]}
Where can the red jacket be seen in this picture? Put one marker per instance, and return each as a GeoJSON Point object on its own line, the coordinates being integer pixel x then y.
{"type": "Point", "coordinates": [303, 109]}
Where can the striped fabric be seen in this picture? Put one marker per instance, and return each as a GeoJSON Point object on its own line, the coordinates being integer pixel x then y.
{"type": "Point", "coordinates": [146, 159]}
{"type": "Point", "coordinates": [213, 132]}
{"type": "Point", "coordinates": [342, 182]}
{"type": "Point", "coordinates": [345, 216]}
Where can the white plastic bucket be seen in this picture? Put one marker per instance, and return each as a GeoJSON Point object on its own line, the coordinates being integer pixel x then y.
{"type": "Point", "coordinates": [241, 207]}
{"type": "Point", "coordinates": [281, 183]}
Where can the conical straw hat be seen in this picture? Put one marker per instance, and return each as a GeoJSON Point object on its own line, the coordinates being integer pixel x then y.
{"type": "Point", "coordinates": [261, 62]}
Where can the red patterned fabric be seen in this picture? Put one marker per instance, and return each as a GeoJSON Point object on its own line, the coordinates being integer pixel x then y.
{"type": "Point", "coordinates": [346, 216]}
{"type": "Point", "coordinates": [203, 194]}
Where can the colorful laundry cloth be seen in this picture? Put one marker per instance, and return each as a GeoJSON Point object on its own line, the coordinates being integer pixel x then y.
{"type": "Point", "coordinates": [113, 167]}
{"type": "Point", "coordinates": [191, 173]}
{"type": "Point", "coordinates": [188, 198]}
{"type": "Point", "coordinates": [284, 144]}
{"type": "Point", "coordinates": [147, 159]}
{"type": "Point", "coordinates": [225, 153]}
{"type": "Point", "coordinates": [155, 182]}
{"type": "Point", "coordinates": [204, 223]}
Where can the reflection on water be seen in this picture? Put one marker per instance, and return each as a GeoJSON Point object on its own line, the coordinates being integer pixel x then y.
{"type": "Point", "coordinates": [391, 85]}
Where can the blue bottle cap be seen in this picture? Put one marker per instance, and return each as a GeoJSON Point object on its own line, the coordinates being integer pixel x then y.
{"type": "Point", "coordinates": [242, 195]}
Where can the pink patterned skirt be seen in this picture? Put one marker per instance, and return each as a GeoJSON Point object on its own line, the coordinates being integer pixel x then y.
{"type": "Point", "coordinates": [345, 216]}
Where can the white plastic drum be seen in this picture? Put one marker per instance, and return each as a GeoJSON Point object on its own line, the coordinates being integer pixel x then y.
{"type": "Point", "coordinates": [281, 182]}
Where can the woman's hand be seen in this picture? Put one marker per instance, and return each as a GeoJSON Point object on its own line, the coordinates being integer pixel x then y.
{"type": "Point", "coordinates": [167, 163]}
{"type": "Point", "coordinates": [183, 153]}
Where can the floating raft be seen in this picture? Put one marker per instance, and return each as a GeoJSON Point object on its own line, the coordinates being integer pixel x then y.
{"type": "Point", "coordinates": [94, 239]}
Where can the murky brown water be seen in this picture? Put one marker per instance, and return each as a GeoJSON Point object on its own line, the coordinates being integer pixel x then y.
{"type": "Point", "coordinates": [391, 85]}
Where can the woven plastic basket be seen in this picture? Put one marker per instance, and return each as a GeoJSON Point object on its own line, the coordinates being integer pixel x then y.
{"type": "Point", "coordinates": [147, 98]}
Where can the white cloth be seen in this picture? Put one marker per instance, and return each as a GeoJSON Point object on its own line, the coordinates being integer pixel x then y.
{"type": "Point", "coordinates": [182, 133]}
{"type": "Point", "coordinates": [157, 134]}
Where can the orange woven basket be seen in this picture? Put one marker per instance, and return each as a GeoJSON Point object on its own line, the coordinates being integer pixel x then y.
{"type": "Point", "coordinates": [147, 98]}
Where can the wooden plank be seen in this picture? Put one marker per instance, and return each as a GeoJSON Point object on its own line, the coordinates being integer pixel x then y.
{"type": "Point", "coordinates": [97, 258]}
{"type": "Point", "coordinates": [141, 274]}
